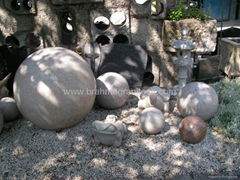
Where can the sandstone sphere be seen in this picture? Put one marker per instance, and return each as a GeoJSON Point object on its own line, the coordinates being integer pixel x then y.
{"type": "Point", "coordinates": [192, 129]}
{"type": "Point", "coordinates": [9, 109]}
{"type": "Point", "coordinates": [112, 89]}
{"type": "Point", "coordinates": [198, 99]}
{"type": "Point", "coordinates": [152, 120]}
{"type": "Point", "coordinates": [1, 122]}
{"type": "Point", "coordinates": [54, 88]}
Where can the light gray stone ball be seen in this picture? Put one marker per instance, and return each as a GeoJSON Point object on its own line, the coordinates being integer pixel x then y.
{"type": "Point", "coordinates": [1, 122]}
{"type": "Point", "coordinates": [9, 109]}
{"type": "Point", "coordinates": [54, 88]}
{"type": "Point", "coordinates": [112, 89]}
{"type": "Point", "coordinates": [152, 120]}
{"type": "Point", "coordinates": [198, 99]}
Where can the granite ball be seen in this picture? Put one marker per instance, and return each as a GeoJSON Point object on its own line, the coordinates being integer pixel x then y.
{"type": "Point", "coordinates": [198, 99]}
{"type": "Point", "coordinates": [1, 122]}
{"type": "Point", "coordinates": [9, 109]}
{"type": "Point", "coordinates": [54, 88]}
{"type": "Point", "coordinates": [112, 90]}
{"type": "Point", "coordinates": [152, 120]}
{"type": "Point", "coordinates": [192, 129]}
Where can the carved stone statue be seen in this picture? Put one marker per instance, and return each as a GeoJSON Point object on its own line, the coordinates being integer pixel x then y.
{"type": "Point", "coordinates": [108, 133]}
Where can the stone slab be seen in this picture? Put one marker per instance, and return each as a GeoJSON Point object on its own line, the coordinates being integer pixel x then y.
{"type": "Point", "coordinates": [128, 60]}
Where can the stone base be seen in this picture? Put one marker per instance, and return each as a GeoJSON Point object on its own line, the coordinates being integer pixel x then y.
{"type": "Point", "coordinates": [230, 59]}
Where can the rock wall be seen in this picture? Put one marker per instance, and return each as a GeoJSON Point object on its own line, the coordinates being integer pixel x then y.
{"type": "Point", "coordinates": [70, 24]}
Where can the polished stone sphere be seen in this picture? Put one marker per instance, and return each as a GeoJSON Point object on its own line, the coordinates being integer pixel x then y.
{"type": "Point", "coordinates": [1, 122]}
{"type": "Point", "coordinates": [112, 90]}
{"type": "Point", "coordinates": [9, 109]}
{"type": "Point", "coordinates": [54, 88]}
{"type": "Point", "coordinates": [198, 99]}
{"type": "Point", "coordinates": [192, 129]}
{"type": "Point", "coordinates": [152, 120]}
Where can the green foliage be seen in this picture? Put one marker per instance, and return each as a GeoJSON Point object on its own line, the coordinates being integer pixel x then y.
{"type": "Point", "coordinates": [227, 119]}
{"type": "Point", "coordinates": [181, 11]}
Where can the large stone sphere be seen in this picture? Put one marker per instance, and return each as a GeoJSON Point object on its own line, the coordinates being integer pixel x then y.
{"type": "Point", "coordinates": [1, 122]}
{"type": "Point", "coordinates": [192, 129]}
{"type": "Point", "coordinates": [54, 88]}
{"type": "Point", "coordinates": [9, 109]}
{"type": "Point", "coordinates": [152, 120]}
{"type": "Point", "coordinates": [112, 89]}
{"type": "Point", "coordinates": [198, 99]}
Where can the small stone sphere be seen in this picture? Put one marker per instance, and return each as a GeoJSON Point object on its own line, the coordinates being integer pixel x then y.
{"type": "Point", "coordinates": [192, 129]}
{"type": "Point", "coordinates": [1, 122]}
{"type": "Point", "coordinates": [54, 88]}
{"type": "Point", "coordinates": [152, 120]}
{"type": "Point", "coordinates": [198, 99]}
{"type": "Point", "coordinates": [112, 90]}
{"type": "Point", "coordinates": [9, 109]}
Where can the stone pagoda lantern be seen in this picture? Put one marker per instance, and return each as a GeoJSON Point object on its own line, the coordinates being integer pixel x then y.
{"type": "Point", "coordinates": [184, 60]}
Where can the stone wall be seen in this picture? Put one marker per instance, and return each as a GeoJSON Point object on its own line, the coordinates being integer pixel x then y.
{"type": "Point", "coordinates": [47, 20]}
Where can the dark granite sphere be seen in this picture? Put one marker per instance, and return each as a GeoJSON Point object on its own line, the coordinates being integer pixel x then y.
{"type": "Point", "coordinates": [192, 129]}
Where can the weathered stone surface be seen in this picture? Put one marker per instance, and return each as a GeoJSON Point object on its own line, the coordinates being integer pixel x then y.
{"type": "Point", "coordinates": [108, 133]}
{"type": "Point", "coordinates": [192, 129]}
{"type": "Point", "coordinates": [146, 32]}
{"type": "Point", "coordinates": [152, 120]}
{"type": "Point", "coordinates": [113, 90]}
{"type": "Point", "coordinates": [54, 88]}
{"type": "Point", "coordinates": [128, 60]}
{"type": "Point", "coordinates": [202, 33]}
{"type": "Point", "coordinates": [198, 99]}
{"type": "Point", "coordinates": [112, 30]}
{"type": "Point", "coordinates": [230, 56]}
{"type": "Point", "coordinates": [153, 100]}
{"type": "Point", "coordinates": [159, 91]}
{"type": "Point", "coordinates": [9, 109]}
{"type": "Point", "coordinates": [1, 122]}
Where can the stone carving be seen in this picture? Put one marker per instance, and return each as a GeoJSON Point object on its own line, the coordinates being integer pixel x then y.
{"type": "Point", "coordinates": [108, 133]}
{"type": "Point", "coordinates": [113, 90]}
{"type": "Point", "coordinates": [152, 120]}
{"type": "Point", "coordinates": [156, 89]}
{"type": "Point", "coordinates": [92, 54]}
{"type": "Point", "coordinates": [192, 129]}
{"type": "Point", "coordinates": [198, 99]}
{"type": "Point", "coordinates": [153, 100]}
{"type": "Point", "coordinates": [9, 109]}
{"type": "Point", "coordinates": [154, 97]}
{"type": "Point", "coordinates": [54, 88]}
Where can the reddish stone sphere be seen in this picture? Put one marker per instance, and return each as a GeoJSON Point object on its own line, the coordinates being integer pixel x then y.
{"type": "Point", "coordinates": [192, 129]}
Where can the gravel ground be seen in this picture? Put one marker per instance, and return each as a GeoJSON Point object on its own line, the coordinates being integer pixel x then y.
{"type": "Point", "coordinates": [27, 152]}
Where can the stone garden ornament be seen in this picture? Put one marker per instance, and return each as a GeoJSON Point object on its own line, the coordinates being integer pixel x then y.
{"type": "Point", "coordinates": [198, 99]}
{"type": "Point", "coordinates": [108, 133]}
{"type": "Point", "coordinates": [9, 109]}
{"type": "Point", "coordinates": [113, 90]}
{"type": "Point", "coordinates": [54, 88]}
{"type": "Point", "coordinates": [152, 120]}
{"type": "Point", "coordinates": [154, 97]}
{"type": "Point", "coordinates": [192, 129]}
